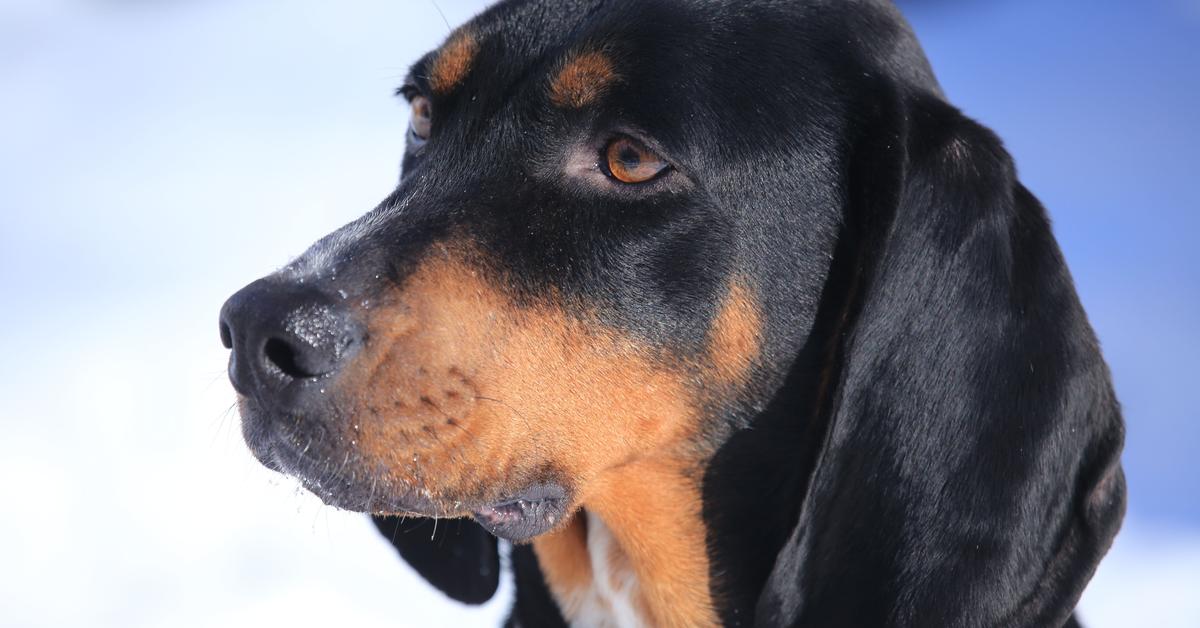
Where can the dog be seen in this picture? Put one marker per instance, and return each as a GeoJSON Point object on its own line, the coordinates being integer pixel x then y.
{"type": "Point", "coordinates": [718, 312]}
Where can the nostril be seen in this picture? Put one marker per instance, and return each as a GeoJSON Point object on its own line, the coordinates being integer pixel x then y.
{"type": "Point", "coordinates": [226, 336]}
{"type": "Point", "coordinates": [285, 357]}
{"type": "Point", "coordinates": [284, 337]}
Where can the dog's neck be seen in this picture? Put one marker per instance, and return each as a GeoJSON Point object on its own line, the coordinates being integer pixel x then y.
{"type": "Point", "coordinates": [636, 554]}
{"type": "Point", "coordinates": [673, 522]}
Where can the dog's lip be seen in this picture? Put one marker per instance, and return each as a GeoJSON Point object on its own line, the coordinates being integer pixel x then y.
{"type": "Point", "coordinates": [523, 501]}
{"type": "Point", "coordinates": [531, 512]}
{"type": "Point", "coordinates": [518, 516]}
{"type": "Point", "coordinates": [526, 514]}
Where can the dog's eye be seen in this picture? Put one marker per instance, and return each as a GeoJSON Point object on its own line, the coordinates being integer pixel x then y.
{"type": "Point", "coordinates": [630, 162]}
{"type": "Point", "coordinates": [421, 121]}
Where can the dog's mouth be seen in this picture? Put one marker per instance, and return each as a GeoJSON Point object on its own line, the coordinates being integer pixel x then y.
{"type": "Point", "coordinates": [534, 511]}
{"type": "Point", "coordinates": [341, 477]}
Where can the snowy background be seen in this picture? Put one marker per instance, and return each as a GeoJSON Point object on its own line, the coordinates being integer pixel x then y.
{"type": "Point", "coordinates": [157, 155]}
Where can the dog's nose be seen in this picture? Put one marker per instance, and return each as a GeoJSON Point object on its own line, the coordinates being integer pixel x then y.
{"type": "Point", "coordinates": [284, 336]}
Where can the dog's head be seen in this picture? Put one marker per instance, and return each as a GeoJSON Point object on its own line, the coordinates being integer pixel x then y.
{"type": "Point", "coordinates": [572, 273]}
{"type": "Point", "coordinates": [624, 232]}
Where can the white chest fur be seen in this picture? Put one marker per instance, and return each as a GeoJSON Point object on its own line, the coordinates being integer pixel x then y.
{"type": "Point", "coordinates": [611, 600]}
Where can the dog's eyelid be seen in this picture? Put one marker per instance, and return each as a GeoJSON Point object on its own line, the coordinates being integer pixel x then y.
{"type": "Point", "coordinates": [415, 84]}
{"type": "Point", "coordinates": [408, 91]}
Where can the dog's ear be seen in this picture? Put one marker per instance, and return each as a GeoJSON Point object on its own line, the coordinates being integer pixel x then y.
{"type": "Point", "coordinates": [969, 473]}
{"type": "Point", "coordinates": [457, 556]}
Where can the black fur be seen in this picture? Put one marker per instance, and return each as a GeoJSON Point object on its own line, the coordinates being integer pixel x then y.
{"type": "Point", "coordinates": [930, 437]}
{"type": "Point", "coordinates": [456, 556]}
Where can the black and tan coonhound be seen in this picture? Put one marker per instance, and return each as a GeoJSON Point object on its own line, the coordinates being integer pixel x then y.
{"type": "Point", "coordinates": [719, 312]}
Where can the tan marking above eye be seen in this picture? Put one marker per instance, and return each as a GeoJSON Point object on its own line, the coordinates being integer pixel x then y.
{"type": "Point", "coordinates": [583, 78]}
{"type": "Point", "coordinates": [453, 62]}
{"type": "Point", "coordinates": [630, 162]}
{"type": "Point", "coordinates": [421, 120]}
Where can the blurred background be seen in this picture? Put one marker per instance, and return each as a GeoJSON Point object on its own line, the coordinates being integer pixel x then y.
{"type": "Point", "coordinates": [157, 155]}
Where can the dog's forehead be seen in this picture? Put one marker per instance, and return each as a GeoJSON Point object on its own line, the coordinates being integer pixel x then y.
{"type": "Point", "coordinates": [680, 57]}
{"type": "Point", "coordinates": [505, 42]}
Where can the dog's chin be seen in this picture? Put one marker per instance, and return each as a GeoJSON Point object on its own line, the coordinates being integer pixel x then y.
{"type": "Point", "coordinates": [518, 518]}
{"type": "Point", "coordinates": [341, 480]}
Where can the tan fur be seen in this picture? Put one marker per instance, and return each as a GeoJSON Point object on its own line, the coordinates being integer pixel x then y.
{"type": "Point", "coordinates": [565, 563]}
{"type": "Point", "coordinates": [467, 396]}
{"type": "Point", "coordinates": [618, 562]}
{"type": "Point", "coordinates": [583, 79]}
{"type": "Point", "coordinates": [735, 340]}
{"type": "Point", "coordinates": [562, 553]}
{"type": "Point", "coordinates": [453, 61]}
{"type": "Point", "coordinates": [653, 508]}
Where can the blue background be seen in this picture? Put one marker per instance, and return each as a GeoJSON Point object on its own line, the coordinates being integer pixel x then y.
{"type": "Point", "coordinates": [1099, 102]}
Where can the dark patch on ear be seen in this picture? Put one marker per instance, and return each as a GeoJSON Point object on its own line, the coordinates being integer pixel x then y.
{"type": "Point", "coordinates": [456, 555]}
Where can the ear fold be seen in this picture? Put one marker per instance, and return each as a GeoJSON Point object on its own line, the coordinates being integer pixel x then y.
{"type": "Point", "coordinates": [970, 474]}
{"type": "Point", "coordinates": [457, 556]}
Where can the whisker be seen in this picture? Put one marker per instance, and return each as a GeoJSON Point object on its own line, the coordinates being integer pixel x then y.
{"type": "Point", "coordinates": [223, 424]}
{"type": "Point", "coordinates": [439, 10]}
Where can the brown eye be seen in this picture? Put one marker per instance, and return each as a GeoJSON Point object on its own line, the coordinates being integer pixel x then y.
{"type": "Point", "coordinates": [421, 121]}
{"type": "Point", "coordinates": [630, 162]}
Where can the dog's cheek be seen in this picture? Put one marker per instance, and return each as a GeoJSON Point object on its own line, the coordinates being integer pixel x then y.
{"type": "Point", "coordinates": [461, 388]}
{"type": "Point", "coordinates": [593, 398]}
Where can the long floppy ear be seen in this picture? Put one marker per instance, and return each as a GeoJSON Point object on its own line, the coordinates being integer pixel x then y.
{"type": "Point", "coordinates": [970, 471]}
{"type": "Point", "coordinates": [457, 556]}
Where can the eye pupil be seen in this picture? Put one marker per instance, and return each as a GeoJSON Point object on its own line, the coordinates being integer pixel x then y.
{"type": "Point", "coordinates": [630, 162]}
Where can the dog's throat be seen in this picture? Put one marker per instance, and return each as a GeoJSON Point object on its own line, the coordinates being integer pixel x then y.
{"type": "Point", "coordinates": [611, 594]}
{"type": "Point", "coordinates": [634, 556]}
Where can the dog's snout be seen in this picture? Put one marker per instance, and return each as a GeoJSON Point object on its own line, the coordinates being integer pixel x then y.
{"type": "Point", "coordinates": [284, 335]}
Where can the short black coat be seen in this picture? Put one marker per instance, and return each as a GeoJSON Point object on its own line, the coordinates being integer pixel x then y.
{"type": "Point", "coordinates": [931, 437]}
